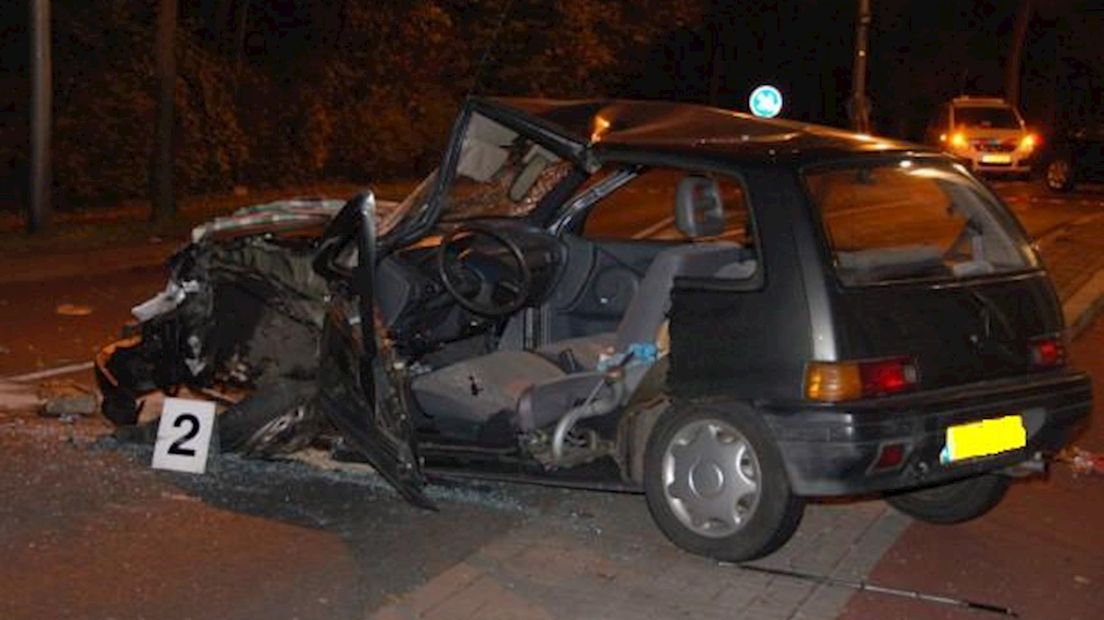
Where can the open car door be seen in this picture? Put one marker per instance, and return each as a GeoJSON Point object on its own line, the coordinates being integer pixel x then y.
{"type": "Point", "coordinates": [359, 390]}
{"type": "Point", "coordinates": [362, 389]}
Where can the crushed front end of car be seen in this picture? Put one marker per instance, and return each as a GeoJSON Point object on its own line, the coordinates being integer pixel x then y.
{"type": "Point", "coordinates": [239, 321]}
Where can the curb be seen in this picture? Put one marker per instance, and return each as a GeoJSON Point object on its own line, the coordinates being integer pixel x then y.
{"type": "Point", "coordinates": [1084, 305]}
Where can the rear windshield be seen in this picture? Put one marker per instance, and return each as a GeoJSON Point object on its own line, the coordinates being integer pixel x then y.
{"type": "Point", "coordinates": [910, 219]}
{"type": "Point", "coordinates": [994, 118]}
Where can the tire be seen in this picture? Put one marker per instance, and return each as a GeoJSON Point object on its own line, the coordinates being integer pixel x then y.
{"type": "Point", "coordinates": [1058, 174]}
{"type": "Point", "coordinates": [955, 502]}
{"type": "Point", "coordinates": [762, 518]}
{"type": "Point", "coordinates": [266, 420]}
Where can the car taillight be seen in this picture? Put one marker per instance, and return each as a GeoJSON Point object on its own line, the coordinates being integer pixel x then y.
{"type": "Point", "coordinates": [1048, 352]}
{"type": "Point", "coordinates": [1029, 142]}
{"type": "Point", "coordinates": [958, 139]}
{"type": "Point", "coordinates": [839, 381]}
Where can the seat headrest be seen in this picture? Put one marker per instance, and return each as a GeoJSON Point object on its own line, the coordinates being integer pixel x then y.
{"type": "Point", "coordinates": [699, 210]}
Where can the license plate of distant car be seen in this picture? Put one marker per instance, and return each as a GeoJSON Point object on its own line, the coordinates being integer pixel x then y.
{"type": "Point", "coordinates": [996, 159]}
{"type": "Point", "coordinates": [984, 438]}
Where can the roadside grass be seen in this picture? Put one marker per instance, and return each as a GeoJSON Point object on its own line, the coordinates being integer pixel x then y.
{"type": "Point", "coordinates": [129, 222]}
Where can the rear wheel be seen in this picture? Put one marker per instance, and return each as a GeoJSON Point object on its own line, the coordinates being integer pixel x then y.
{"type": "Point", "coordinates": [955, 502]}
{"type": "Point", "coordinates": [716, 486]}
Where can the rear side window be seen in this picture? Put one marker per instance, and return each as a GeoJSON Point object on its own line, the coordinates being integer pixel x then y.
{"type": "Point", "coordinates": [644, 209]}
{"type": "Point", "coordinates": [909, 219]}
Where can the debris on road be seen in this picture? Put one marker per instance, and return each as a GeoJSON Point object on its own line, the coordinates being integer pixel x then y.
{"type": "Point", "coordinates": [179, 497]}
{"type": "Point", "coordinates": [73, 310]}
{"type": "Point", "coordinates": [866, 586]}
{"type": "Point", "coordinates": [16, 397]}
{"type": "Point", "coordinates": [38, 375]}
{"type": "Point", "coordinates": [1083, 462]}
{"type": "Point", "coordinates": [65, 399]}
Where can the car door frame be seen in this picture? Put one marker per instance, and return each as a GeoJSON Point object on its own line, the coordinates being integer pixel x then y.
{"type": "Point", "coordinates": [352, 364]}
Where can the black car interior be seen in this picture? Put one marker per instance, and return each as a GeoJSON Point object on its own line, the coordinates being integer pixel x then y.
{"type": "Point", "coordinates": [449, 306]}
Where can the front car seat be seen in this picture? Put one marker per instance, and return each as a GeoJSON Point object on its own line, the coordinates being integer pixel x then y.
{"type": "Point", "coordinates": [536, 392]}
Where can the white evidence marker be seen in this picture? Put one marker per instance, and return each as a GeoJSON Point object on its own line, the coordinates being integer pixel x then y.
{"type": "Point", "coordinates": [184, 435]}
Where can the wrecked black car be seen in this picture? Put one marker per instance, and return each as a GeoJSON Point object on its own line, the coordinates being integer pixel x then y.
{"type": "Point", "coordinates": [728, 314]}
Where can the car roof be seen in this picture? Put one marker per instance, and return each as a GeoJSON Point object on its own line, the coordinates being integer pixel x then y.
{"type": "Point", "coordinates": [619, 126]}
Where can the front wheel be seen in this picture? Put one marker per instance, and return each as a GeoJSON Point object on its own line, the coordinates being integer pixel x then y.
{"type": "Point", "coordinates": [955, 502]}
{"type": "Point", "coordinates": [716, 486]}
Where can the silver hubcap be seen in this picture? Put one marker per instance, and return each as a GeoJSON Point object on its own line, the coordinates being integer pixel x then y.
{"type": "Point", "coordinates": [711, 478]}
{"type": "Point", "coordinates": [1058, 173]}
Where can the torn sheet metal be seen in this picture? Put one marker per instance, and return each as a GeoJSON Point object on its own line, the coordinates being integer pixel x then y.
{"type": "Point", "coordinates": [165, 301]}
{"type": "Point", "coordinates": [281, 214]}
{"type": "Point", "coordinates": [242, 311]}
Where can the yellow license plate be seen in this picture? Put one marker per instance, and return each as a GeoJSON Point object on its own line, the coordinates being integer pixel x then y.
{"type": "Point", "coordinates": [983, 438]}
{"type": "Point", "coordinates": [996, 159]}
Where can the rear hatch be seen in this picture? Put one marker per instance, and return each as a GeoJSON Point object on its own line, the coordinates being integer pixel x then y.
{"type": "Point", "coordinates": [930, 266]}
{"type": "Point", "coordinates": [953, 334]}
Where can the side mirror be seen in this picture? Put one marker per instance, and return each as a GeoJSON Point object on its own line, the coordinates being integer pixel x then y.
{"type": "Point", "coordinates": [699, 210]}
{"type": "Point", "coordinates": [343, 228]}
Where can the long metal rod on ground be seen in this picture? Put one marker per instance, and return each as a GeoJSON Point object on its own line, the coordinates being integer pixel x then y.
{"type": "Point", "coordinates": [865, 586]}
{"type": "Point", "coordinates": [46, 374]}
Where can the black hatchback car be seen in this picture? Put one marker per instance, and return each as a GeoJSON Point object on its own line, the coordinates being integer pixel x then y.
{"type": "Point", "coordinates": [727, 313]}
{"type": "Point", "coordinates": [1077, 155]}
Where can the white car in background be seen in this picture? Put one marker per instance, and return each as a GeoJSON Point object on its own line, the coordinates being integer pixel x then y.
{"type": "Point", "coordinates": [988, 133]}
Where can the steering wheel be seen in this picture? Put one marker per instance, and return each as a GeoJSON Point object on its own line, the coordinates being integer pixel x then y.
{"type": "Point", "coordinates": [467, 271]}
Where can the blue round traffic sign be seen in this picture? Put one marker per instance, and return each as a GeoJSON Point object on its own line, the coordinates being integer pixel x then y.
{"type": "Point", "coordinates": [765, 101]}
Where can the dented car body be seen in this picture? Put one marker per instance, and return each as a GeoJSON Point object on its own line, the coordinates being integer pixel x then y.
{"type": "Point", "coordinates": [728, 314]}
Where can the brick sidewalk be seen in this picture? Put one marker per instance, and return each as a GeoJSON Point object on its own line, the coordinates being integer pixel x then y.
{"type": "Point", "coordinates": [600, 556]}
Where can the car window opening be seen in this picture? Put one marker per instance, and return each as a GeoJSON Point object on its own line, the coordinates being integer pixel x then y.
{"type": "Point", "coordinates": [907, 220]}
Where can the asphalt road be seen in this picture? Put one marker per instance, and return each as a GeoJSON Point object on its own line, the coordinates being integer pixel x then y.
{"type": "Point", "coordinates": [88, 531]}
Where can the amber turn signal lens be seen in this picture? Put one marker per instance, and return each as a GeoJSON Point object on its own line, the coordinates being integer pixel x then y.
{"type": "Point", "coordinates": [838, 381]}
{"type": "Point", "coordinates": [833, 381]}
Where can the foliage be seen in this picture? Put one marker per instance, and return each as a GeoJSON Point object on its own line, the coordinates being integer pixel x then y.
{"type": "Point", "coordinates": [356, 89]}
{"type": "Point", "coordinates": [284, 92]}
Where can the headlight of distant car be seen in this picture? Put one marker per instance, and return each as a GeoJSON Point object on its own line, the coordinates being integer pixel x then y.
{"type": "Point", "coordinates": [956, 140]}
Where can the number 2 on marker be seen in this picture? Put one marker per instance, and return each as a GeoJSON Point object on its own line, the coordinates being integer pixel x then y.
{"type": "Point", "coordinates": [177, 447]}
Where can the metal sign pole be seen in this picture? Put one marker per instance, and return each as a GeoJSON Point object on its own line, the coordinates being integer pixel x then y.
{"type": "Point", "coordinates": [38, 215]}
{"type": "Point", "coordinates": [860, 105]}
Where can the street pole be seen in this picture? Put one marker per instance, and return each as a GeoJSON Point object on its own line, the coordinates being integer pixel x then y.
{"type": "Point", "coordinates": [161, 163]}
{"type": "Point", "coordinates": [38, 216]}
{"type": "Point", "coordinates": [716, 59]}
{"type": "Point", "coordinates": [859, 108]}
{"type": "Point", "coordinates": [1015, 54]}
